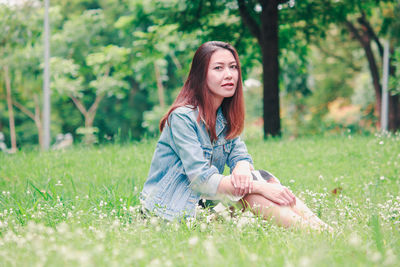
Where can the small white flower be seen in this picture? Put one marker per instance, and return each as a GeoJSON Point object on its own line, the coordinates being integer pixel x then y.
{"type": "Point", "coordinates": [193, 241]}
{"type": "Point", "coordinates": [305, 261]}
{"type": "Point", "coordinates": [139, 254]}
{"type": "Point", "coordinates": [253, 257]}
{"type": "Point", "coordinates": [242, 222]}
{"type": "Point", "coordinates": [354, 240]}
{"type": "Point", "coordinates": [155, 262]}
{"type": "Point", "coordinates": [153, 221]}
{"type": "Point", "coordinates": [209, 248]}
{"type": "Point", "coordinates": [376, 256]}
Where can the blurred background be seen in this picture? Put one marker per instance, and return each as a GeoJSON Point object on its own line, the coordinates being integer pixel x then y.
{"type": "Point", "coordinates": [309, 67]}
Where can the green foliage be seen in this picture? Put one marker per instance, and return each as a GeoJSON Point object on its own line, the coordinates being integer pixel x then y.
{"type": "Point", "coordinates": [395, 80]}
{"type": "Point", "coordinates": [151, 120]}
{"type": "Point", "coordinates": [65, 77]}
{"type": "Point", "coordinates": [103, 47]}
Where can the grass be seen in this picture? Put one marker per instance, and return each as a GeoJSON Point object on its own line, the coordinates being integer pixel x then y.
{"type": "Point", "coordinates": [81, 207]}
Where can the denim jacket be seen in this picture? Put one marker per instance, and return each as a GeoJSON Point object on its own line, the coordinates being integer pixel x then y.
{"type": "Point", "coordinates": [187, 166]}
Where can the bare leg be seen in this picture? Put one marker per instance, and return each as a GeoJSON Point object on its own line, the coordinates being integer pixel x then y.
{"type": "Point", "coordinates": [301, 209]}
{"type": "Point", "coordinates": [282, 215]}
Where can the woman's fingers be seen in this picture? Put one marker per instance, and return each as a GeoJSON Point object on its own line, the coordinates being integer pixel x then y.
{"type": "Point", "coordinates": [233, 180]}
{"type": "Point", "coordinates": [291, 196]}
{"type": "Point", "coordinates": [280, 201]}
{"type": "Point", "coordinates": [243, 183]}
{"type": "Point", "coordinates": [287, 196]}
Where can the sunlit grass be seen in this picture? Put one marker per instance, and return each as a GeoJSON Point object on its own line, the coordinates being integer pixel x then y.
{"type": "Point", "coordinates": [81, 207]}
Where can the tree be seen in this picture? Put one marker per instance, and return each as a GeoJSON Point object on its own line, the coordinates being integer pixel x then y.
{"type": "Point", "coordinates": [108, 81]}
{"type": "Point", "coordinates": [262, 20]}
{"type": "Point", "coordinates": [367, 22]}
{"type": "Point", "coordinates": [18, 27]}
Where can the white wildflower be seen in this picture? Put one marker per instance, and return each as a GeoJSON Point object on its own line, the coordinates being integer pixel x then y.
{"type": "Point", "coordinates": [304, 261]}
{"type": "Point", "coordinates": [209, 248]}
{"type": "Point", "coordinates": [253, 257]}
{"type": "Point", "coordinates": [155, 262]}
{"type": "Point", "coordinates": [354, 240]}
{"type": "Point", "coordinates": [193, 241]}
{"type": "Point", "coordinates": [154, 221]}
{"type": "Point", "coordinates": [375, 256]}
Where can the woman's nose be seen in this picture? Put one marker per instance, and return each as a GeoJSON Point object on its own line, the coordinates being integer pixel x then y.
{"type": "Point", "coordinates": [228, 74]}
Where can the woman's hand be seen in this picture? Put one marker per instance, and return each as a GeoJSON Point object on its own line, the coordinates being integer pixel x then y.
{"type": "Point", "coordinates": [277, 193]}
{"type": "Point", "coordinates": [242, 180]}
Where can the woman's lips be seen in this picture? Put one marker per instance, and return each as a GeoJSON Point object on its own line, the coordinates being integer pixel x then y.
{"type": "Point", "coordinates": [228, 85]}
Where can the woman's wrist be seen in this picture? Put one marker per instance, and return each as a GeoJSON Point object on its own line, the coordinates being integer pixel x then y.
{"type": "Point", "coordinates": [260, 188]}
{"type": "Point", "coordinates": [243, 163]}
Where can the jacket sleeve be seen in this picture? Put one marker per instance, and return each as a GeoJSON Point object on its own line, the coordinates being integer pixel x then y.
{"type": "Point", "coordinates": [203, 176]}
{"type": "Point", "coordinates": [238, 153]}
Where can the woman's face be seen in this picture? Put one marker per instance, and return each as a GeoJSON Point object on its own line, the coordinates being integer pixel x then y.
{"type": "Point", "coordinates": [222, 75]}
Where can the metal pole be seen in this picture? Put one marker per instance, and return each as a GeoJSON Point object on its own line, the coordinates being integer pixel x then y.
{"type": "Point", "coordinates": [46, 80]}
{"type": "Point", "coordinates": [385, 93]}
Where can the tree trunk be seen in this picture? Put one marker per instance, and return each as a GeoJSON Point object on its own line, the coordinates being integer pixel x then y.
{"type": "Point", "coordinates": [89, 118]}
{"type": "Point", "coordinates": [160, 87]}
{"type": "Point", "coordinates": [394, 100]}
{"type": "Point", "coordinates": [10, 110]}
{"type": "Point", "coordinates": [375, 79]}
{"type": "Point", "coordinates": [269, 43]}
{"type": "Point", "coordinates": [35, 117]}
{"type": "Point", "coordinates": [394, 113]}
{"type": "Point", "coordinates": [365, 40]}
{"type": "Point", "coordinates": [267, 37]}
{"type": "Point", "coordinates": [38, 122]}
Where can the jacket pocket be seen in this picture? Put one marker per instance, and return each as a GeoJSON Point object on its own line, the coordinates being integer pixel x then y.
{"type": "Point", "coordinates": [227, 147]}
{"type": "Point", "coordinates": [207, 151]}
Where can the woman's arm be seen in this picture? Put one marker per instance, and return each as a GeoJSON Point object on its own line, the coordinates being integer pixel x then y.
{"type": "Point", "coordinates": [241, 165]}
{"type": "Point", "coordinates": [272, 191]}
{"type": "Point", "coordinates": [242, 179]}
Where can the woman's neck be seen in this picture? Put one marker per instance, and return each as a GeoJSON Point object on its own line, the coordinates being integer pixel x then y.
{"type": "Point", "coordinates": [216, 104]}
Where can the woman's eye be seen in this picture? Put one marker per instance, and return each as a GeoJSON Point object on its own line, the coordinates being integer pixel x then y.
{"type": "Point", "coordinates": [218, 68]}
{"type": "Point", "coordinates": [233, 67]}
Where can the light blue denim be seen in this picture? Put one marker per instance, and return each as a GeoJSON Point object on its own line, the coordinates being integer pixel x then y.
{"type": "Point", "coordinates": [186, 165]}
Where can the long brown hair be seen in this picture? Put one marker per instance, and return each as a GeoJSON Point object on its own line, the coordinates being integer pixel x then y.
{"type": "Point", "coordinates": [196, 93]}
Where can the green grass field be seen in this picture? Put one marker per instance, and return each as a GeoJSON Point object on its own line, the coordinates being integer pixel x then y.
{"type": "Point", "coordinates": [81, 207]}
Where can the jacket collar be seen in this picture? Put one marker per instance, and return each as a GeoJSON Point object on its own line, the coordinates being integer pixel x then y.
{"type": "Point", "coordinates": [220, 122]}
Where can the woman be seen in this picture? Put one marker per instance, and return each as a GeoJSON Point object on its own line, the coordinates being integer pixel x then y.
{"type": "Point", "coordinates": [199, 135]}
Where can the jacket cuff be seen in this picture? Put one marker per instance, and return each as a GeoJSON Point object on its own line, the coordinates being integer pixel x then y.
{"type": "Point", "coordinates": [208, 188]}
